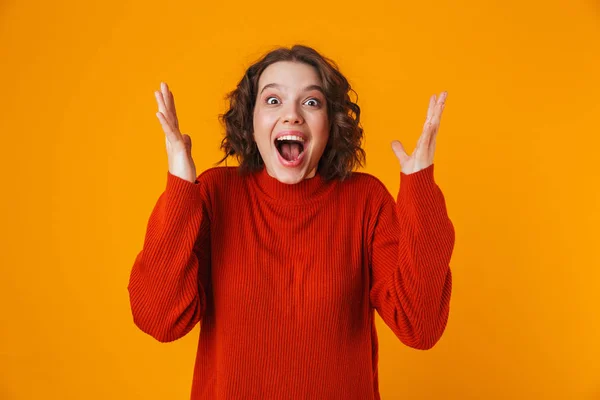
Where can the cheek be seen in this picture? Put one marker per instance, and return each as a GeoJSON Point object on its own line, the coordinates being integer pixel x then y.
{"type": "Point", "coordinates": [263, 126]}
{"type": "Point", "coordinates": [263, 121]}
{"type": "Point", "coordinates": [320, 128]}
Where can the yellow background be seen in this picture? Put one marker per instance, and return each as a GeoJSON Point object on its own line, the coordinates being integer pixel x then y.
{"type": "Point", "coordinates": [83, 163]}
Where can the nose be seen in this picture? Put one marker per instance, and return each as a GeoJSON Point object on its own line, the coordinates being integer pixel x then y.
{"type": "Point", "coordinates": [292, 115]}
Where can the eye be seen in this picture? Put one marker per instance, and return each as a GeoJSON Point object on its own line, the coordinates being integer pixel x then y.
{"type": "Point", "coordinates": [316, 102]}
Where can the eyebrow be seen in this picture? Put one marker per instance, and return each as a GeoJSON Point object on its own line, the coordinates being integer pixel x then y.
{"type": "Point", "coordinates": [306, 89]}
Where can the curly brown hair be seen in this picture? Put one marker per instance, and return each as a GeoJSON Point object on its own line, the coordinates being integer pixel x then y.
{"type": "Point", "coordinates": [343, 152]}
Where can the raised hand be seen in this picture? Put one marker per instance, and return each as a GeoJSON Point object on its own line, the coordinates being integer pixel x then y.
{"type": "Point", "coordinates": [422, 156]}
{"type": "Point", "coordinates": [179, 147]}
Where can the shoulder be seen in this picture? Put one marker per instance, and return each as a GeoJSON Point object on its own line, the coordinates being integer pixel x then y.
{"type": "Point", "coordinates": [366, 180]}
{"type": "Point", "coordinates": [223, 183]}
{"type": "Point", "coordinates": [369, 184]}
{"type": "Point", "coordinates": [365, 191]}
{"type": "Point", "coordinates": [217, 176]}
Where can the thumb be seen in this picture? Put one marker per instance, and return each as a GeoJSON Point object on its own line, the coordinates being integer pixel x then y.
{"type": "Point", "coordinates": [399, 151]}
{"type": "Point", "coordinates": [188, 141]}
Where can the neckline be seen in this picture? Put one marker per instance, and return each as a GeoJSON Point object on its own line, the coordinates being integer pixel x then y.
{"type": "Point", "coordinates": [304, 191]}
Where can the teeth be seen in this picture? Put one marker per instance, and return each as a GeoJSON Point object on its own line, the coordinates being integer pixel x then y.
{"type": "Point", "coordinates": [291, 137]}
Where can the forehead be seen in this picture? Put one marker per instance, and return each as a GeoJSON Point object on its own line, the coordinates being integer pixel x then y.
{"type": "Point", "coordinates": [289, 75]}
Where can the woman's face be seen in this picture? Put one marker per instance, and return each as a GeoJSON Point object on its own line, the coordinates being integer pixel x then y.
{"type": "Point", "coordinates": [291, 125]}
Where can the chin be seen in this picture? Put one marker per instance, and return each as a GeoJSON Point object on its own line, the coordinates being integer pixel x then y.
{"type": "Point", "coordinates": [286, 174]}
{"type": "Point", "coordinates": [292, 179]}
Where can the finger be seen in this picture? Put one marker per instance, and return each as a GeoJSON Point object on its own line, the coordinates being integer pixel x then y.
{"type": "Point", "coordinates": [160, 101]}
{"type": "Point", "coordinates": [169, 102]}
{"type": "Point", "coordinates": [172, 135]}
{"type": "Point", "coordinates": [162, 107]}
{"type": "Point", "coordinates": [433, 125]}
{"type": "Point", "coordinates": [431, 107]}
{"type": "Point", "coordinates": [172, 100]}
{"type": "Point", "coordinates": [427, 126]}
{"type": "Point", "coordinates": [399, 151]}
{"type": "Point", "coordinates": [428, 133]}
{"type": "Point", "coordinates": [432, 147]}
{"type": "Point", "coordinates": [421, 144]}
{"type": "Point", "coordinates": [439, 107]}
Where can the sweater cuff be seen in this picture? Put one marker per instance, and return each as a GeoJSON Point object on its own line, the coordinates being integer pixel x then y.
{"type": "Point", "coordinates": [418, 186]}
{"type": "Point", "coordinates": [180, 190]}
{"type": "Point", "coordinates": [420, 178]}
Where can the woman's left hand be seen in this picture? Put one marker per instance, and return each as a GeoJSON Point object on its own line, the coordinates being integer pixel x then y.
{"type": "Point", "coordinates": [422, 156]}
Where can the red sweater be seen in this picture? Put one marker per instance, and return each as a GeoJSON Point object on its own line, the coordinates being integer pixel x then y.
{"type": "Point", "coordinates": [284, 279]}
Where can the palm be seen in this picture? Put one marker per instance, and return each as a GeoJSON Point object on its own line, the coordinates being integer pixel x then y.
{"type": "Point", "coordinates": [422, 155]}
{"type": "Point", "coordinates": [179, 146]}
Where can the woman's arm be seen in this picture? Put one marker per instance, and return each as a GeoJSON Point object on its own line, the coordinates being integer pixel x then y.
{"type": "Point", "coordinates": [411, 247]}
{"type": "Point", "coordinates": [169, 276]}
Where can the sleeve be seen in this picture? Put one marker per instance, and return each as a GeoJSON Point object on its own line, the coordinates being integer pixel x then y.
{"type": "Point", "coordinates": [169, 275]}
{"type": "Point", "coordinates": [411, 247]}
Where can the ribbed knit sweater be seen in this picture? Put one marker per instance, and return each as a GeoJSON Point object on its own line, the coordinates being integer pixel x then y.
{"type": "Point", "coordinates": [284, 280]}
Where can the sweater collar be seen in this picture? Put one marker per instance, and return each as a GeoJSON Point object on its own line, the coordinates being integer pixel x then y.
{"type": "Point", "coordinates": [303, 191]}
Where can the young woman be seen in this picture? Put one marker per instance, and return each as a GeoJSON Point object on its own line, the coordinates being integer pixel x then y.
{"type": "Point", "coordinates": [284, 259]}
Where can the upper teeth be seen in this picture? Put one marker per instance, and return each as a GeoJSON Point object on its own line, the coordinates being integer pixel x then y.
{"type": "Point", "coordinates": [291, 137]}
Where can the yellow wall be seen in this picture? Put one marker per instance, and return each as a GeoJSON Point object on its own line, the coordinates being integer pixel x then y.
{"type": "Point", "coordinates": [83, 163]}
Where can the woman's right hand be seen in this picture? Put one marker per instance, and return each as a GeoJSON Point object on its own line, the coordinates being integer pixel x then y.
{"type": "Point", "coordinates": [179, 147]}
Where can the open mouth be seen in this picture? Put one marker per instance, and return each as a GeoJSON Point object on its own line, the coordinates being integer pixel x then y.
{"type": "Point", "coordinates": [290, 148]}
